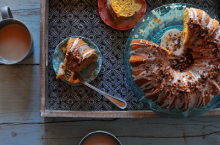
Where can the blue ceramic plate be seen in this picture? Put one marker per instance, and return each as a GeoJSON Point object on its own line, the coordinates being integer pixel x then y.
{"type": "Point", "coordinates": [152, 27]}
{"type": "Point", "coordinates": [87, 74]}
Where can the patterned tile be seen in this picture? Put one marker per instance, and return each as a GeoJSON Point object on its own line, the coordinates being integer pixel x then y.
{"type": "Point", "coordinates": [81, 18]}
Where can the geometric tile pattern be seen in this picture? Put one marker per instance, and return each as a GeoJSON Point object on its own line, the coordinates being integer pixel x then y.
{"type": "Point", "coordinates": [81, 18]}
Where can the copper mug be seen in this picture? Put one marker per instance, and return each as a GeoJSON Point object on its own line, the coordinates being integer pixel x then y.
{"type": "Point", "coordinates": [7, 19]}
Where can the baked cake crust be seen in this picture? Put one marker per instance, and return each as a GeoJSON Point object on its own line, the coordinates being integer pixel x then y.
{"type": "Point", "coordinates": [119, 11]}
{"type": "Point", "coordinates": [169, 88]}
{"type": "Point", "coordinates": [200, 31]}
{"type": "Point", "coordinates": [186, 81]}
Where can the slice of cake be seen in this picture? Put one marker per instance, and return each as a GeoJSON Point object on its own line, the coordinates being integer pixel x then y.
{"type": "Point", "coordinates": [124, 8]}
{"type": "Point", "coordinates": [79, 55]}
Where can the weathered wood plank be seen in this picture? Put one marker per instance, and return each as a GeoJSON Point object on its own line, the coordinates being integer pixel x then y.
{"type": "Point", "coordinates": [19, 93]}
{"type": "Point", "coordinates": [44, 12]}
{"type": "Point", "coordinates": [20, 4]}
{"type": "Point", "coordinates": [32, 19]}
{"type": "Point", "coordinates": [202, 131]}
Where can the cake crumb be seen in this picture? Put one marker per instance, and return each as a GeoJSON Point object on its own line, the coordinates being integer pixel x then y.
{"type": "Point", "coordinates": [63, 50]}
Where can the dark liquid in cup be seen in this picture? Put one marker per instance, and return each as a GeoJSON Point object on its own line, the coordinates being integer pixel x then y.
{"type": "Point", "coordinates": [14, 42]}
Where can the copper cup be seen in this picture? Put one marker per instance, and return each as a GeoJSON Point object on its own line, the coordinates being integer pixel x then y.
{"type": "Point", "coordinates": [7, 19]}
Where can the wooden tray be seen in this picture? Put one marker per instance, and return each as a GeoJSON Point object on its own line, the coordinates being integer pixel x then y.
{"type": "Point", "coordinates": [44, 112]}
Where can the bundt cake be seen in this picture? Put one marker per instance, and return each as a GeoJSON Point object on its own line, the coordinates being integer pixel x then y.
{"type": "Point", "coordinates": [183, 80]}
{"type": "Point", "coordinates": [78, 56]}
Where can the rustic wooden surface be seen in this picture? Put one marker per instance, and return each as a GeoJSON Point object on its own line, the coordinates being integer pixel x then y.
{"type": "Point", "coordinates": [20, 122]}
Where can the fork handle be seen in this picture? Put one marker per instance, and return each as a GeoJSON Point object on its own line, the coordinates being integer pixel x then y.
{"type": "Point", "coordinates": [117, 101]}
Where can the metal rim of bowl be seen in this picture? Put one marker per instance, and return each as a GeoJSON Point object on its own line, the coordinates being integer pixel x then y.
{"type": "Point", "coordinates": [99, 132]}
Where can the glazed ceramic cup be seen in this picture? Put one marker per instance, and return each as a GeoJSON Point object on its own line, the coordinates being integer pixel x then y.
{"type": "Point", "coordinates": [7, 19]}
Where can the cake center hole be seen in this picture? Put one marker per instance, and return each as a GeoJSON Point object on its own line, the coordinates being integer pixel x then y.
{"type": "Point", "coordinates": [182, 62]}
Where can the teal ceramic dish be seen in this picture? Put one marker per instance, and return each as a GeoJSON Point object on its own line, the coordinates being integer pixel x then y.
{"type": "Point", "coordinates": [152, 29]}
{"type": "Point", "coordinates": [87, 74]}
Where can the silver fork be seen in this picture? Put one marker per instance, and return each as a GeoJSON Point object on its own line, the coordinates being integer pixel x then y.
{"type": "Point", "coordinates": [117, 101]}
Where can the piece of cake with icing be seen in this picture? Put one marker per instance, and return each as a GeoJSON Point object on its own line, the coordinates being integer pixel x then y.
{"type": "Point", "coordinates": [79, 55]}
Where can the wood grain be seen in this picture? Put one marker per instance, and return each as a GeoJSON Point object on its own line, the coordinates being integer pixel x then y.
{"type": "Point", "coordinates": [19, 93]}
{"type": "Point", "coordinates": [43, 54]}
{"type": "Point", "coordinates": [202, 131]}
{"type": "Point", "coordinates": [20, 4]}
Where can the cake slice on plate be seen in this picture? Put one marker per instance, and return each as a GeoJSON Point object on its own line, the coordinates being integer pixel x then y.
{"type": "Point", "coordinates": [78, 56]}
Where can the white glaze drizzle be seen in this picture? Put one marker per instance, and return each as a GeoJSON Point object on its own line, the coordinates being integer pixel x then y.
{"type": "Point", "coordinates": [190, 14]}
{"type": "Point", "coordinates": [217, 33]}
{"type": "Point", "coordinates": [60, 70]}
{"type": "Point", "coordinates": [214, 83]}
{"type": "Point", "coordinates": [146, 86]}
{"type": "Point", "coordinates": [170, 43]}
{"type": "Point", "coordinates": [195, 13]}
{"type": "Point", "coordinates": [85, 55]}
{"type": "Point", "coordinates": [140, 67]}
{"type": "Point", "coordinates": [141, 52]}
{"type": "Point", "coordinates": [81, 49]}
{"type": "Point", "coordinates": [141, 76]}
{"type": "Point", "coordinates": [210, 23]}
{"type": "Point", "coordinates": [203, 19]}
{"type": "Point", "coordinates": [154, 92]}
{"type": "Point", "coordinates": [74, 44]}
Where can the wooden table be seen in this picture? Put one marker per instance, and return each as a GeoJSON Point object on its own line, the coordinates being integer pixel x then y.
{"type": "Point", "coordinates": [20, 122]}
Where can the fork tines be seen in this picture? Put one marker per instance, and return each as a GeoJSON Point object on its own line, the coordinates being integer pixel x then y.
{"type": "Point", "coordinates": [68, 74]}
